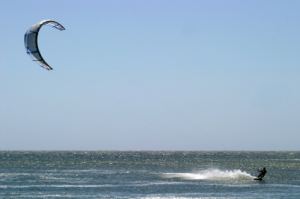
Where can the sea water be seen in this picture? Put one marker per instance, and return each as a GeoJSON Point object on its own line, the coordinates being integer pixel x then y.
{"type": "Point", "coordinates": [141, 174]}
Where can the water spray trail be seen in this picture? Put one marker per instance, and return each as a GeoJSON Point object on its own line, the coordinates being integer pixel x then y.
{"type": "Point", "coordinates": [211, 174]}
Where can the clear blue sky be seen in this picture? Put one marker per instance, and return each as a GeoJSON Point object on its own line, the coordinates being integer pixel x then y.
{"type": "Point", "coordinates": [152, 75]}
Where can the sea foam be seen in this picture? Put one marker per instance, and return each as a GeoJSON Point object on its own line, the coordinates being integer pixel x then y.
{"type": "Point", "coordinates": [211, 174]}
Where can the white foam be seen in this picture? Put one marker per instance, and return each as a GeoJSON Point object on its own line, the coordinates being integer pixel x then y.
{"type": "Point", "coordinates": [211, 174]}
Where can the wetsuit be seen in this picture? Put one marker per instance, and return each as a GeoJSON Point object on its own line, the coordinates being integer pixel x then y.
{"type": "Point", "coordinates": [262, 173]}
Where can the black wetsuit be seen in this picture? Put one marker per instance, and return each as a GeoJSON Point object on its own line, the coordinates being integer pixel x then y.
{"type": "Point", "coordinates": [262, 173]}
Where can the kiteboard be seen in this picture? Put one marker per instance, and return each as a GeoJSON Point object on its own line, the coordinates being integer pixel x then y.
{"type": "Point", "coordinates": [257, 178]}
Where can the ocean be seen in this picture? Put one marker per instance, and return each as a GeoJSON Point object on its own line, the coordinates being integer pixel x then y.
{"type": "Point", "coordinates": [148, 174]}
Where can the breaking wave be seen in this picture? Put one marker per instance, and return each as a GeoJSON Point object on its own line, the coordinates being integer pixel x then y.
{"type": "Point", "coordinates": [211, 174]}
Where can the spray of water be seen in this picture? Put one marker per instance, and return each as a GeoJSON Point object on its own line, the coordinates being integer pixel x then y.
{"type": "Point", "coordinates": [211, 174]}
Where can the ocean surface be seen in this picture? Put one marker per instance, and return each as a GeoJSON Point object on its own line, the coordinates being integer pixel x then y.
{"type": "Point", "coordinates": [146, 175]}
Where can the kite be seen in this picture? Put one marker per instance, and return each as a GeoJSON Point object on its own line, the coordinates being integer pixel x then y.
{"type": "Point", "coordinates": [31, 41]}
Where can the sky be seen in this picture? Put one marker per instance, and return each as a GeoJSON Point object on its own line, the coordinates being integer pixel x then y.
{"type": "Point", "coordinates": [152, 75]}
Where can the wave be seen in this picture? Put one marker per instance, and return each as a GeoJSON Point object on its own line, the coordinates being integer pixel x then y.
{"type": "Point", "coordinates": [211, 174]}
{"type": "Point", "coordinates": [179, 197]}
{"type": "Point", "coordinates": [56, 186]}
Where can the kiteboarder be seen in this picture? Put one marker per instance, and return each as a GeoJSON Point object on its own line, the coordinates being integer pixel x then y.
{"type": "Point", "coordinates": [262, 173]}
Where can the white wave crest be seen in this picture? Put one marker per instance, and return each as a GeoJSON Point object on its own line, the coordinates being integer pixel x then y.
{"type": "Point", "coordinates": [211, 174]}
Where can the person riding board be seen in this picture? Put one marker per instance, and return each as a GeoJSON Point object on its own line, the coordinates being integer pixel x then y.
{"type": "Point", "coordinates": [262, 173]}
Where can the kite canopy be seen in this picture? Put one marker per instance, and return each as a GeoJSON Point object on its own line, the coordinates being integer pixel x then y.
{"type": "Point", "coordinates": [31, 41]}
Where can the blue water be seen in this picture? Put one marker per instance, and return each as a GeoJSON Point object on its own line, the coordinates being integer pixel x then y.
{"type": "Point", "coordinates": [148, 175]}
